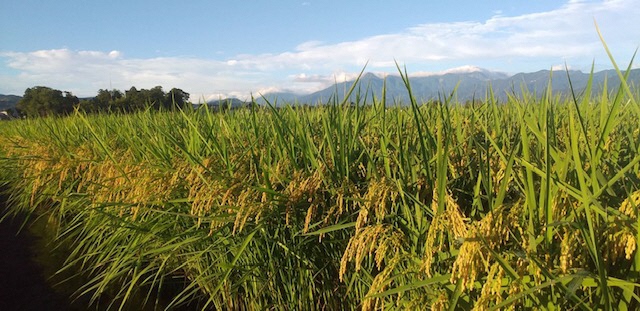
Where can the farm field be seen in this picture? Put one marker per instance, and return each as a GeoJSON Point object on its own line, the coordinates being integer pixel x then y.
{"type": "Point", "coordinates": [530, 203]}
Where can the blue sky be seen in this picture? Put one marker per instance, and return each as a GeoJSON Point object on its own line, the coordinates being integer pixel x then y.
{"type": "Point", "coordinates": [217, 49]}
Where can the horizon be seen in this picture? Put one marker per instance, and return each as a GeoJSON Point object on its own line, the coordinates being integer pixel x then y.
{"type": "Point", "coordinates": [297, 46]}
{"type": "Point", "coordinates": [464, 72]}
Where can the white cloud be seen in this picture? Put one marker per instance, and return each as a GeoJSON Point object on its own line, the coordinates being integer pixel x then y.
{"type": "Point", "coordinates": [322, 78]}
{"type": "Point", "coordinates": [561, 67]}
{"type": "Point", "coordinates": [85, 72]}
{"type": "Point", "coordinates": [507, 43]}
{"type": "Point", "coordinates": [567, 32]}
{"type": "Point", "coordinates": [461, 69]}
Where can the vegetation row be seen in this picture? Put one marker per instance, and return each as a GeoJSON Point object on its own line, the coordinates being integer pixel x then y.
{"type": "Point", "coordinates": [41, 101]}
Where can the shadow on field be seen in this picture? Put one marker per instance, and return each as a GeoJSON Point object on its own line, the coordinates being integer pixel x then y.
{"type": "Point", "coordinates": [27, 262]}
{"type": "Point", "coordinates": [23, 285]}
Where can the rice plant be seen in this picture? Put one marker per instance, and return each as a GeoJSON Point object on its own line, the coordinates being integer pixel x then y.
{"type": "Point", "coordinates": [530, 203]}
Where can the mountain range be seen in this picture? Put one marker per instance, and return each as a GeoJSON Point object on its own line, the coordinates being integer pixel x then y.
{"type": "Point", "coordinates": [8, 101]}
{"type": "Point", "coordinates": [469, 83]}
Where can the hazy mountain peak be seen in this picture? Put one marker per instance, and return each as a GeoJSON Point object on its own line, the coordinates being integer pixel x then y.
{"type": "Point", "coordinates": [477, 72]}
{"type": "Point", "coordinates": [470, 82]}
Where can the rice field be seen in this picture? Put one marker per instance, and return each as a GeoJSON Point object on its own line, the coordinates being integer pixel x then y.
{"type": "Point", "coordinates": [528, 204]}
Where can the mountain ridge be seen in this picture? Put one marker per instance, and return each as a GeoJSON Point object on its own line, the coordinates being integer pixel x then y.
{"type": "Point", "coordinates": [8, 101]}
{"type": "Point", "coordinates": [474, 85]}
{"type": "Point", "coordinates": [469, 83]}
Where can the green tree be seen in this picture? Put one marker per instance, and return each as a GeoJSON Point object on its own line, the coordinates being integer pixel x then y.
{"type": "Point", "coordinates": [155, 97]}
{"type": "Point", "coordinates": [106, 100]}
{"type": "Point", "coordinates": [133, 100]}
{"type": "Point", "coordinates": [87, 105]}
{"type": "Point", "coordinates": [44, 101]}
{"type": "Point", "coordinates": [177, 98]}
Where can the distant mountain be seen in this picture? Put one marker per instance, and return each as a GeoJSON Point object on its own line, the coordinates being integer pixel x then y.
{"type": "Point", "coordinates": [469, 83]}
{"type": "Point", "coordinates": [8, 101]}
{"type": "Point", "coordinates": [277, 99]}
{"type": "Point", "coordinates": [226, 103]}
{"type": "Point", "coordinates": [423, 88]}
{"type": "Point", "coordinates": [537, 82]}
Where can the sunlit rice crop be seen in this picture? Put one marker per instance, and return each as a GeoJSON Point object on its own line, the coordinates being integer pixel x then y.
{"type": "Point", "coordinates": [530, 203]}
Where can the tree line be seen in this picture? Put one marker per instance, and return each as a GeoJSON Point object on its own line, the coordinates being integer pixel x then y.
{"type": "Point", "coordinates": [43, 101]}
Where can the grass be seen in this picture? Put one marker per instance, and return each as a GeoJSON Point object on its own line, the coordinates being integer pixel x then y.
{"type": "Point", "coordinates": [530, 203]}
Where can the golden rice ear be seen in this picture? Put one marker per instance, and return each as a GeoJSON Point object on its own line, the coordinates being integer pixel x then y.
{"type": "Point", "coordinates": [248, 206]}
{"type": "Point", "coordinates": [468, 264]}
{"type": "Point", "coordinates": [380, 284]}
{"type": "Point", "coordinates": [566, 256]}
{"type": "Point", "coordinates": [441, 303]}
{"type": "Point", "coordinates": [436, 229]}
{"type": "Point", "coordinates": [620, 238]}
{"type": "Point", "coordinates": [381, 239]}
{"type": "Point", "coordinates": [381, 194]}
{"type": "Point", "coordinates": [308, 217]}
{"type": "Point", "coordinates": [630, 246]}
{"type": "Point", "coordinates": [630, 205]}
{"type": "Point", "coordinates": [456, 220]}
{"type": "Point", "coordinates": [491, 292]}
{"type": "Point", "coordinates": [449, 224]}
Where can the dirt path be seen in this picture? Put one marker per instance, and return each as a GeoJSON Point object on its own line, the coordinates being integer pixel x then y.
{"type": "Point", "coordinates": [22, 285]}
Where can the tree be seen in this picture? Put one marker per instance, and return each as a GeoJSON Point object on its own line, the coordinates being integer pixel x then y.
{"type": "Point", "coordinates": [155, 97]}
{"type": "Point", "coordinates": [87, 105]}
{"type": "Point", "coordinates": [133, 100]}
{"type": "Point", "coordinates": [177, 98]}
{"type": "Point", "coordinates": [44, 101]}
{"type": "Point", "coordinates": [106, 100]}
{"type": "Point", "coordinates": [69, 103]}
